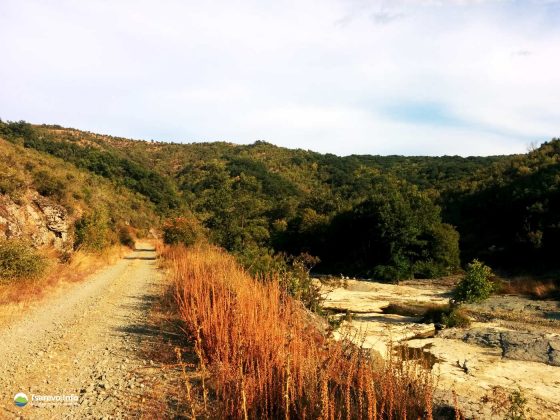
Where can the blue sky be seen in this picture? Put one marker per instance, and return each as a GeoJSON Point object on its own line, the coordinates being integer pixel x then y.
{"type": "Point", "coordinates": [406, 77]}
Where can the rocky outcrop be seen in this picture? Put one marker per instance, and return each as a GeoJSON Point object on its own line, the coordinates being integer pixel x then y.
{"type": "Point", "coordinates": [490, 354]}
{"type": "Point", "coordinates": [516, 345]}
{"type": "Point", "coordinates": [36, 218]}
{"type": "Point", "coordinates": [56, 217]}
{"type": "Point", "coordinates": [531, 347]}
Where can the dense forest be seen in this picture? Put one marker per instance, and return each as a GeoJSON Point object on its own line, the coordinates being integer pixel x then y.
{"type": "Point", "coordinates": [390, 217]}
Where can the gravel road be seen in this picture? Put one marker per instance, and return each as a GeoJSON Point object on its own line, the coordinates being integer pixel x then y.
{"type": "Point", "coordinates": [85, 344]}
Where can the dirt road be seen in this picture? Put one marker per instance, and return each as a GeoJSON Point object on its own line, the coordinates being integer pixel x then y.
{"type": "Point", "coordinates": [84, 347]}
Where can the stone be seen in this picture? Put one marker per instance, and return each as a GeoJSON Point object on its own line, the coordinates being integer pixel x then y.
{"type": "Point", "coordinates": [483, 337]}
{"type": "Point", "coordinates": [554, 352]}
{"type": "Point", "coordinates": [36, 218]}
{"type": "Point", "coordinates": [525, 346]}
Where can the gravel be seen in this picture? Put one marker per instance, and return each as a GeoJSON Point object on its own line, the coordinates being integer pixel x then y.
{"type": "Point", "coordinates": [83, 343]}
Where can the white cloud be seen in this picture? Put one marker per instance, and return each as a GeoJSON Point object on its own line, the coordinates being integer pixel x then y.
{"type": "Point", "coordinates": [310, 74]}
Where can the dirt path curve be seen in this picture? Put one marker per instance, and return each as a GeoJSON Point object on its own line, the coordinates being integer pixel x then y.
{"type": "Point", "coordinates": [84, 343]}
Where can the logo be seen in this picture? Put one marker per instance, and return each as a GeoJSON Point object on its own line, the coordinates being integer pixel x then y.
{"type": "Point", "coordinates": [21, 399]}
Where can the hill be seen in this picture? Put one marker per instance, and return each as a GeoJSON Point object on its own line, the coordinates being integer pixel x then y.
{"type": "Point", "coordinates": [388, 216]}
{"type": "Point", "coordinates": [52, 204]}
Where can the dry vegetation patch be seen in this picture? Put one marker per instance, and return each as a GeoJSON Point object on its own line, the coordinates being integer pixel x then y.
{"type": "Point", "coordinates": [261, 357]}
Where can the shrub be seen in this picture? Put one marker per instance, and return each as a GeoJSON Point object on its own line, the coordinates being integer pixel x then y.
{"type": "Point", "coordinates": [455, 318]}
{"type": "Point", "coordinates": [476, 285]}
{"type": "Point", "coordinates": [19, 260]}
{"type": "Point", "coordinates": [125, 237]}
{"type": "Point", "coordinates": [93, 231]}
{"type": "Point", "coordinates": [183, 230]}
{"type": "Point", "coordinates": [429, 270]}
{"type": "Point", "coordinates": [48, 186]}
{"type": "Point", "coordinates": [511, 404]}
{"type": "Point", "coordinates": [449, 315]}
{"type": "Point", "coordinates": [12, 185]}
{"type": "Point", "coordinates": [291, 272]}
{"type": "Point", "coordinates": [517, 403]}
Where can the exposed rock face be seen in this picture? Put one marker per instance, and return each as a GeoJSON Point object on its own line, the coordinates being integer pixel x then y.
{"type": "Point", "coordinates": [487, 338]}
{"type": "Point", "coordinates": [56, 217]}
{"type": "Point", "coordinates": [36, 218]}
{"type": "Point", "coordinates": [516, 345]}
{"type": "Point", "coordinates": [531, 347]}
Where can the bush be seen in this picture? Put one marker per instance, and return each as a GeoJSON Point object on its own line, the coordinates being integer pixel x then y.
{"type": "Point", "coordinates": [125, 237]}
{"type": "Point", "coordinates": [291, 272]}
{"type": "Point", "coordinates": [93, 231]}
{"type": "Point", "coordinates": [449, 315]}
{"type": "Point", "coordinates": [12, 185]}
{"type": "Point", "coordinates": [183, 230]}
{"type": "Point", "coordinates": [19, 260]}
{"type": "Point", "coordinates": [455, 318]}
{"type": "Point", "coordinates": [48, 186]}
{"type": "Point", "coordinates": [475, 285]}
{"type": "Point", "coordinates": [428, 270]}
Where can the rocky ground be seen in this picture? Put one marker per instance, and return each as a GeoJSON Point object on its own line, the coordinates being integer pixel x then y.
{"type": "Point", "coordinates": [93, 342]}
{"type": "Point", "coordinates": [513, 344]}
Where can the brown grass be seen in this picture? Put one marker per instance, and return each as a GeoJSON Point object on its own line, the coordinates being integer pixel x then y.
{"type": "Point", "coordinates": [262, 357]}
{"type": "Point", "coordinates": [536, 288]}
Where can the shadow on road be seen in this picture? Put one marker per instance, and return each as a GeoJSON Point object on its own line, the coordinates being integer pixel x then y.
{"type": "Point", "coordinates": [140, 257]}
{"type": "Point", "coordinates": [152, 330]}
{"type": "Point", "coordinates": [132, 257]}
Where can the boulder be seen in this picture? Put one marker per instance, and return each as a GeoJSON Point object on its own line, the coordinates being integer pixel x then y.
{"type": "Point", "coordinates": [516, 345]}
{"type": "Point", "coordinates": [525, 346]}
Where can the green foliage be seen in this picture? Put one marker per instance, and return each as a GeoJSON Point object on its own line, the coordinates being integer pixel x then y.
{"type": "Point", "coordinates": [369, 215]}
{"type": "Point", "coordinates": [183, 230]}
{"type": "Point", "coordinates": [291, 272]}
{"type": "Point", "coordinates": [449, 315]}
{"type": "Point", "coordinates": [516, 409]}
{"type": "Point", "coordinates": [93, 231]}
{"type": "Point", "coordinates": [394, 233]}
{"type": "Point", "coordinates": [48, 185]}
{"type": "Point", "coordinates": [19, 260]}
{"type": "Point", "coordinates": [476, 285]}
{"type": "Point", "coordinates": [455, 318]}
{"type": "Point", "coordinates": [509, 213]}
{"type": "Point", "coordinates": [11, 184]}
{"type": "Point", "coordinates": [112, 164]}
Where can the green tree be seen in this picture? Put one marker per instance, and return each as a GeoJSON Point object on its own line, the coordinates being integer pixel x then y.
{"type": "Point", "coordinates": [94, 231]}
{"type": "Point", "coordinates": [185, 230]}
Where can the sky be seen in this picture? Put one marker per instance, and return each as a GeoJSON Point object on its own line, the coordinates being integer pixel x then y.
{"type": "Point", "coordinates": [409, 77]}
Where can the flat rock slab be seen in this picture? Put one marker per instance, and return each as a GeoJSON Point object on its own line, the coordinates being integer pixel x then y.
{"type": "Point", "coordinates": [486, 369]}
{"type": "Point", "coordinates": [368, 297]}
{"type": "Point", "coordinates": [379, 332]}
{"type": "Point", "coordinates": [515, 345]}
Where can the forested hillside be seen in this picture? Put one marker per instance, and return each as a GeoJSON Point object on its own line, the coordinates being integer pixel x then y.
{"type": "Point", "coordinates": [386, 216]}
{"type": "Point", "coordinates": [509, 214]}
{"type": "Point", "coordinates": [46, 202]}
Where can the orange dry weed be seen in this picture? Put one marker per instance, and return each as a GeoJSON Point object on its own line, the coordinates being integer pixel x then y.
{"type": "Point", "coordinates": [265, 358]}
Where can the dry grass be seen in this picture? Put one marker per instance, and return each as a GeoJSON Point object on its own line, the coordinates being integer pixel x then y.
{"type": "Point", "coordinates": [260, 356]}
{"type": "Point", "coordinates": [536, 288]}
{"type": "Point", "coordinates": [18, 295]}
